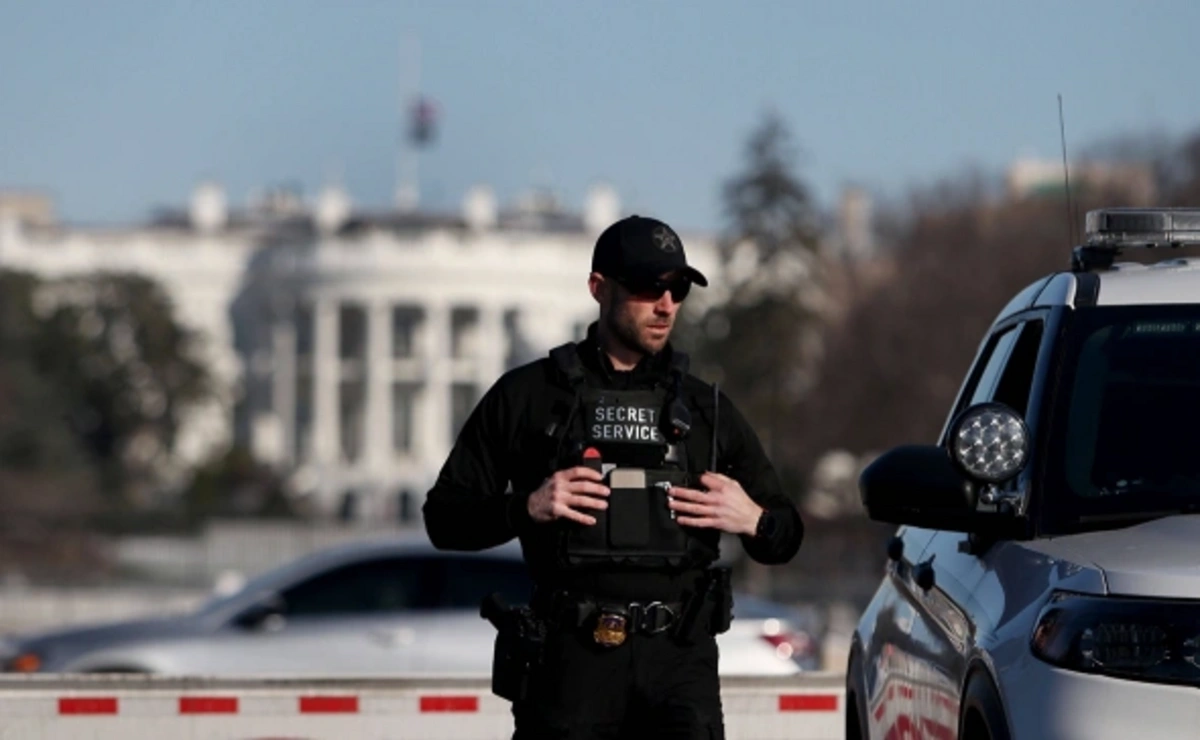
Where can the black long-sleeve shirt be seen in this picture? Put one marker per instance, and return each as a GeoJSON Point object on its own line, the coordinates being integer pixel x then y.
{"type": "Point", "coordinates": [503, 454]}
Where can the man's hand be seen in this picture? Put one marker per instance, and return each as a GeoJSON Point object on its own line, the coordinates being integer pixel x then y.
{"type": "Point", "coordinates": [563, 494]}
{"type": "Point", "coordinates": [725, 506]}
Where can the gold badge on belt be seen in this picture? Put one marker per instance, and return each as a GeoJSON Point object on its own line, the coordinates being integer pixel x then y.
{"type": "Point", "coordinates": [610, 629]}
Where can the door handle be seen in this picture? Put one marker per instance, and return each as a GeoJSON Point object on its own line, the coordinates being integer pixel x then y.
{"type": "Point", "coordinates": [895, 548]}
{"type": "Point", "coordinates": [401, 637]}
{"type": "Point", "coordinates": [923, 575]}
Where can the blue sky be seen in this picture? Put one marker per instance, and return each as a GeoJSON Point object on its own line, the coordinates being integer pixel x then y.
{"type": "Point", "coordinates": [116, 106]}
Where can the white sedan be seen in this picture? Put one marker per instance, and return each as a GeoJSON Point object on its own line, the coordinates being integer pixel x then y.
{"type": "Point", "coordinates": [365, 609]}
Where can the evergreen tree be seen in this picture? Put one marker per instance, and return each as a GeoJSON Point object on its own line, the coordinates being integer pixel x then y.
{"type": "Point", "coordinates": [110, 372]}
{"type": "Point", "coordinates": [759, 341]}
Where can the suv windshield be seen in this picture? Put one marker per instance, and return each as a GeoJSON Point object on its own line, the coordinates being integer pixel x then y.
{"type": "Point", "coordinates": [1127, 437]}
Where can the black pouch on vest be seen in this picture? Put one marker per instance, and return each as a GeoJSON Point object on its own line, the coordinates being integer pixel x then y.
{"type": "Point", "coordinates": [623, 529]}
{"type": "Point", "coordinates": [638, 526]}
{"type": "Point", "coordinates": [628, 525]}
{"type": "Point", "coordinates": [584, 543]}
{"type": "Point", "coordinates": [666, 532]}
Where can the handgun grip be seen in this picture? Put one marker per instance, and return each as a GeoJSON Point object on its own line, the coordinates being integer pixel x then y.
{"type": "Point", "coordinates": [494, 610]}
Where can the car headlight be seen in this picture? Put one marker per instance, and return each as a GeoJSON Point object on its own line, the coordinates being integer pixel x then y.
{"type": "Point", "coordinates": [1142, 639]}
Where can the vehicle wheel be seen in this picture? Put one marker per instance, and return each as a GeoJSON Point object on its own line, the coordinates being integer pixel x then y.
{"type": "Point", "coordinates": [856, 700]}
{"type": "Point", "coordinates": [982, 715]}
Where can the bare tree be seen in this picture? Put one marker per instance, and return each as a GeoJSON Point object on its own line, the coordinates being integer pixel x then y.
{"type": "Point", "coordinates": [894, 365]}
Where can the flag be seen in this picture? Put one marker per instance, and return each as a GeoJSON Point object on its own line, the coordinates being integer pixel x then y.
{"type": "Point", "coordinates": [422, 122]}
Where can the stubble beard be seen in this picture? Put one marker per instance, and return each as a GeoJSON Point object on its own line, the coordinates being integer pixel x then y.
{"type": "Point", "coordinates": [625, 329]}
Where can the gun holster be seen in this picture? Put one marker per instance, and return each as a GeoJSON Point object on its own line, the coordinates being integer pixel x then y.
{"type": "Point", "coordinates": [520, 640]}
{"type": "Point", "coordinates": [708, 611]}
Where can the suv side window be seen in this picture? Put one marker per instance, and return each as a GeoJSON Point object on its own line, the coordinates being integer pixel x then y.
{"type": "Point", "coordinates": [1008, 367]}
{"type": "Point", "coordinates": [996, 354]}
{"type": "Point", "coordinates": [1017, 380]}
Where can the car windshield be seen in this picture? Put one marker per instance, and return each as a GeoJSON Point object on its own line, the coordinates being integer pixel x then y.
{"type": "Point", "coordinates": [1128, 421]}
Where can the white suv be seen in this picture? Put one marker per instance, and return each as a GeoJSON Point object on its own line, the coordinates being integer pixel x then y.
{"type": "Point", "coordinates": [1045, 579]}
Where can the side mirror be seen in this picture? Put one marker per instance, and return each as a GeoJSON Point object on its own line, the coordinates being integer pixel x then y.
{"type": "Point", "coordinates": [918, 485]}
{"type": "Point", "coordinates": [937, 488]}
{"type": "Point", "coordinates": [265, 614]}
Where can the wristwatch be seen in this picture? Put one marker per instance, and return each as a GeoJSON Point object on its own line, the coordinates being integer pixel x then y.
{"type": "Point", "coordinates": [766, 525]}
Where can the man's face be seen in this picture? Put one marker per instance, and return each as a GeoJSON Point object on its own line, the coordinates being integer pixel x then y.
{"type": "Point", "coordinates": [640, 315]}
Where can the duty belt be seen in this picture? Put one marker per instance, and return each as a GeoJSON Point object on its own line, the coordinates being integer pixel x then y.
{"type": "Point", "coordinates": [611, 621]}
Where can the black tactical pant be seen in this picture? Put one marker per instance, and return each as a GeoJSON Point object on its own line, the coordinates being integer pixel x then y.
{"type": "Point", "coordinates": [649, 687]}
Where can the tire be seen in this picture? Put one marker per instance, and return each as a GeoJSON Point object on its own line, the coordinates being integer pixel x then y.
{"type": "Point", "coordinates": [982, 714]}
{"type": "Point", "coordinates": [856, 700]}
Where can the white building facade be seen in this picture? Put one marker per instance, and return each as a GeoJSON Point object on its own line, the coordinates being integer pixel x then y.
{"type": "Point", "coordinates": [350, 347]}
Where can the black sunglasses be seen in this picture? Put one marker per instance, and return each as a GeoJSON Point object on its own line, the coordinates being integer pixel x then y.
{"type": "Point", "coordinates": [652, 288]}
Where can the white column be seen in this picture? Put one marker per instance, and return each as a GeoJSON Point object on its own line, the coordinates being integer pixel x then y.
{"type": "Point", "coordinates": [432, 435]}
{"type": "Point", "coordinates": [283, 384]}
{"type": "Point", "coordinates": [379, 387]}
{"type": "Point", "coordinates": [492, 344]}
{"type": "Point", "coordinates": [326, 376]}
{"type": "Point", "coordinates": [543, 327]}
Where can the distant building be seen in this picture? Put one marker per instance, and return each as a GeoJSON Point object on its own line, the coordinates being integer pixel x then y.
{"type": "Point", "coordinates": [351, 345]}
{"type": "Point", "coordinates": [33, 208]}
{"type": "Point", "coordinates": [1036, 177]}
{"type": "Point", "coordinates": [853, 236]}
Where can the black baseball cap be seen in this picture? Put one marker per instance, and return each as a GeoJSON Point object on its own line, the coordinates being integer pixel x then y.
{"type": "Point", "coordinates": [640, 247]}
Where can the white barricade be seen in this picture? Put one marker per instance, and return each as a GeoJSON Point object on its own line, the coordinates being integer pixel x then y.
{"type": "Point", "coordinates": [807, 707]}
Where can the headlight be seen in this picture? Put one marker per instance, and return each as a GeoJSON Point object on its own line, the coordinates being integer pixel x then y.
{"type": "Point", "coordinates": [1143, 639]}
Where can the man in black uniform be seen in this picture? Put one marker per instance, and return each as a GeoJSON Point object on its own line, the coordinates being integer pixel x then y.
{"type": "Point", "coordinates": [618, 471]}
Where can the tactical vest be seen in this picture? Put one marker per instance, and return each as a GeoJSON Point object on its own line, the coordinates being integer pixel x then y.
{"type": "Point", "coordinates": [636, 439]}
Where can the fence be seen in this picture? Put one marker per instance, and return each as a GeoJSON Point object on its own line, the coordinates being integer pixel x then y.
{"type": "Point", "coordinates": [807, 707]}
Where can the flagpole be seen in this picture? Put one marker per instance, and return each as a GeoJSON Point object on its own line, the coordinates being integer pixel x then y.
{"type": "Point", "coordinates": [407, 155]}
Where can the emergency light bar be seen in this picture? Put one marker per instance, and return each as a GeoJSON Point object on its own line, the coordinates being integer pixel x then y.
{"type": "Point", "coordinates": [1143, 227]}
{"type": "Point", "coordinates": [1109, 230]}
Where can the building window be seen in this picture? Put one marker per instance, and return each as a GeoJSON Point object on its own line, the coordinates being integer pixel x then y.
{"type": "Point", "coordinates": [302, 439]}
{"type": "Point", "coordinates": [349, 508]}
{"type": "Point", "coordinates": [352, 332]}
{"type": "Point", "coordinates": [351, 421]}
{"type": "Point", "coordinates": [405, 322]}
{"type": "Point", "coordinates": [303, 321]}
{"type": "Point", "coordinates": [463, 397]}
{"type": "Point", "coordinates": [406, 506]}
{"type": "Point", "coordinates": [519, 349]}
{"type": "Point", "coordinates": [464, 325]}
{"type": "Point", "coordinates": [404, 396]}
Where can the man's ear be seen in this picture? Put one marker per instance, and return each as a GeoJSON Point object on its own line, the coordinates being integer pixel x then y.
{"type": "Point", "coordinates": [597, 285]}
